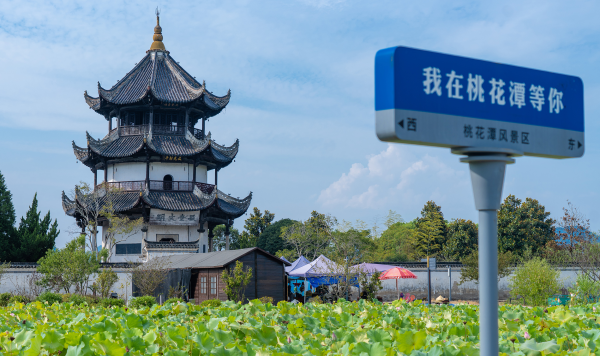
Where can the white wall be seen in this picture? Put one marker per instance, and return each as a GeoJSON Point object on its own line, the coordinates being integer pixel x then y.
{"type": "Point", "coordinates": [186, 233]}
{"type": "Point", "coordinates": [440, 284]}
{"type": "Point", "coordinates": [16, 279]}
{"type": "Point", "coordinates": [179, 171]}
{"type": "Point", "coordinates": [136, 171]}
{"type": "Point", "coordinates": [122, 172]}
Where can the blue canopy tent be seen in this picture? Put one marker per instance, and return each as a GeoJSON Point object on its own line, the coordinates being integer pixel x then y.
{"type": "Point", "coordinates": [318, 273]}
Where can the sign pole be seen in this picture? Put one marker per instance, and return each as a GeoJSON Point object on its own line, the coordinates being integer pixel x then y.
{"type": "Point", "coordinates": [487, 168]}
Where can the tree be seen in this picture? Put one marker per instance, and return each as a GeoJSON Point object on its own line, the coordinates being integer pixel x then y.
{"type": "Point", "coordinates": [462, 239]}
{"type": "Point", "coordinates": [523, 225]}
{"type": "Point", "coordinates": [395, 243]}
{"type": "Point", "coordinates": [346, 251]}
{"type": "Point", "coordinates": [34, 236]}
{"type": "Point", "coordinates": [118, 228]}
{"type": "Point", "coordinates": [254, 226]}
{"type": "Point", "coordinates": [95, 205]}
{"type": "Point", "coordinates": [70, 266]}
{"type": "Point", "coordinates": [105, 281]}
{"type": "Point", "coordinates": [431, 231]}
{"type": "Point", "coordinates": [271, 239]}
{"type": "Point", "coordinates": [309, 238]}
{"type": "Point", "coordinates": [470, 269]}
{"type": "Point", "coordinates": [219, 241]}
{"type": "Point", "coordinates": [7, 221]}
{"type": "Point", "coordinates": [148, 276]}
{"type": "Point", "coordinates": [236, 280]}
{"type": "Point", "coordinates": [370, 285]}
{"type": "Point", "coordinates": [535, 280]}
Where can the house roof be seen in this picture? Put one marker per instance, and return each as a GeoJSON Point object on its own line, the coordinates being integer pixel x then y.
{"type": "Point", "coordinates": [196, 200]}
{"type": "Point", "coordinates": [116, 146]}
{"type": "Point", "coordinates": [158, 75]}
{"type": "Point", "coordinates": [213, 259]}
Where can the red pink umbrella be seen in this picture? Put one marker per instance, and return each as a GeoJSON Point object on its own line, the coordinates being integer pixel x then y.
{"type": "Point", "coordinates": [397, 273]}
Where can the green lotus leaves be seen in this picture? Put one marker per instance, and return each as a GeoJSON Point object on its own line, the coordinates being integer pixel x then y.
{"type": "Point", "coordinates": [350, 329]}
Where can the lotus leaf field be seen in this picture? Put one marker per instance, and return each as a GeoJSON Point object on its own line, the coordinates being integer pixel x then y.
{"type": "Point", "coordinates": [359, 328]}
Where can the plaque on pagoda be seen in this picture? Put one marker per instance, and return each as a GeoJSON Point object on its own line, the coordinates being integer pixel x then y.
{"type": "Point", "coordinates": [182, 218]}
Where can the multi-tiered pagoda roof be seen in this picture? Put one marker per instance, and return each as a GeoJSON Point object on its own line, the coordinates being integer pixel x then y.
{"type": "Point", "coordinates": [156, 86]}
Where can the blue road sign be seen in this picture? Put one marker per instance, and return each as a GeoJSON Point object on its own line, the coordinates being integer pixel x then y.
{"type": "Point", "coordinates": [436, 99]}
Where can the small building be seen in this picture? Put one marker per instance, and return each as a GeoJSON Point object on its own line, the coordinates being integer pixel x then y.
{"type": "Point", "coordinates": [268, 273]}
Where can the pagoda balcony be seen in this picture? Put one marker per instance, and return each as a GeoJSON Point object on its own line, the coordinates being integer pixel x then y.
{"type": "Point", "coordinates": [161, 185]}
{"type": "Point", "coordinates": [134, 130]}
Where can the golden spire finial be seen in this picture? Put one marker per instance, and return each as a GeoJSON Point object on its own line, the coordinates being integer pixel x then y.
{"type": "Point", "coordinates": [157, 44]}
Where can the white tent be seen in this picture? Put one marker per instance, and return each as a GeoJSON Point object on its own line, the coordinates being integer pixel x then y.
{"type": "Point", "coordinates": [300, 262]}
{"type": "Point", "coordinates": [316, 268]}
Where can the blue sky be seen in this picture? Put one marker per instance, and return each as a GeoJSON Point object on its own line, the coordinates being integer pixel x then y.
{"type": "Point", "coordinates": [301, 75]}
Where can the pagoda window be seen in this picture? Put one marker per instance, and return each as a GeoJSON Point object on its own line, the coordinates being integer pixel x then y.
{"type": "Point", "coordinates": [168, 182]}
{"type": "Point", "coordinates": [174, 119]}
{"type": "Point", "coordinates": [131, 118]}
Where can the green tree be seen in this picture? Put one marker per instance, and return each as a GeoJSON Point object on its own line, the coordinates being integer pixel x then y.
{"type": "Point", "coordinates": [35, 235]}
{"type": "Point", "coordinates": [430, 233]}
{"type": "Point", "coordinates": [271, 239]}
{"type": "Point", "coordinates": [523, 225]}
{"type": "Point", "coordinates": [470, 269]}
{"type": "Point", "coordinates": [105, 281]}
{"type": "Point", "coordinates": [254, 226]}
{"type": "Point", "coordinates": [309, 238]}
{"type": "Point", "coordinates": [536, 281]}
{"type": "Point", "coordinates": [461, 241]}
{"type": "Point", "coordinates": [395, 243]}
{"type": "Point", "coordinates": [219, 241]}
{"type": "Point", "coordinates": [236, 279]}
{"type": "Point", "coordinates": [71, 266]}
{"type": "Point", "coordinates": [7, 221]}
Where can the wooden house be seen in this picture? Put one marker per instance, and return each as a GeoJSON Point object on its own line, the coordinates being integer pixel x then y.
{"type": "Point", "coordinates": [268, 273]}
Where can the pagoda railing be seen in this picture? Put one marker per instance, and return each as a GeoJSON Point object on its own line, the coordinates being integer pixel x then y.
{"type": "Point", "coordinates": [162, 185]}
{"type": "Point", "coordinates": [134, 130]}
{"type": "Point", "coordinates": [197, 134]}
{"type": "Point", "coordinates": [168, 130]}
{"type": "Point", "coordinates": [131, 130]}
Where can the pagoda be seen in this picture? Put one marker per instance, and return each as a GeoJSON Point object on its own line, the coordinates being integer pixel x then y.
{"type": "Point", "coordinates": [157, 161]}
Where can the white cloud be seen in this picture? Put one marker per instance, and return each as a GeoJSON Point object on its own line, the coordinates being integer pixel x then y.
{"type": "Point", "coordinates": [397, 179]}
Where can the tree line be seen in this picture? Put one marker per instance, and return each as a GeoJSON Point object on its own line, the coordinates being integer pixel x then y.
{"type": "Point", "coordinates": [31, 238]}
{"type": "Point", "coordinates": [525, 230]}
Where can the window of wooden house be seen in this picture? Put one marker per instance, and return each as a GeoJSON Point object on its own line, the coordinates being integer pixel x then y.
{"type": "Point", "coordinates": [213, 285]}
{"type": "Point", "coordinates": [202, 285]}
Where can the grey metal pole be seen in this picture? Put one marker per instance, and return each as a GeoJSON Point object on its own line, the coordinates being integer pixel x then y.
{"type": "Point", "coordinates": [428, 286]}
{"type": "Point", "coordinates": [487, 168]}
{"type": "Point", "coordinates": [450, 285]}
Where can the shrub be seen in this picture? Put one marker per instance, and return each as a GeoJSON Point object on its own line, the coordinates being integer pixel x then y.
{"type": "Point", "coordinates": [65, 297]}
{"type": "Point", "coordinates": [315, 300]}
{"type": "Point", "coordinates": [4, 299]}
{"type": "Point", "coordinates": [19, 298]}
{"type": "Point", "coordinates": [105, 281]}
{"type": "Point", "coordinates": [236, 279]}
{"type": "Point", "coordinates": [211, 303]}
{"type": "Point", "coordinates": [110, 302]}
{"type": "Point", "coordinates": [535, 280]}
{"type": "Point", "coordinates": [77, 299]}
{"type": "Point", "coordinates": [266, 300]}
{"type": "Point", "coordinates": [174, 300]}
{"type": "Point", "coordinates": [140, 302]}
{"type": "Point", "coordinates": [50, 297]}
{"type": "Point", "coordinates": [92, 300]}
{"type": "Point", "coordinates": [585, 290]}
